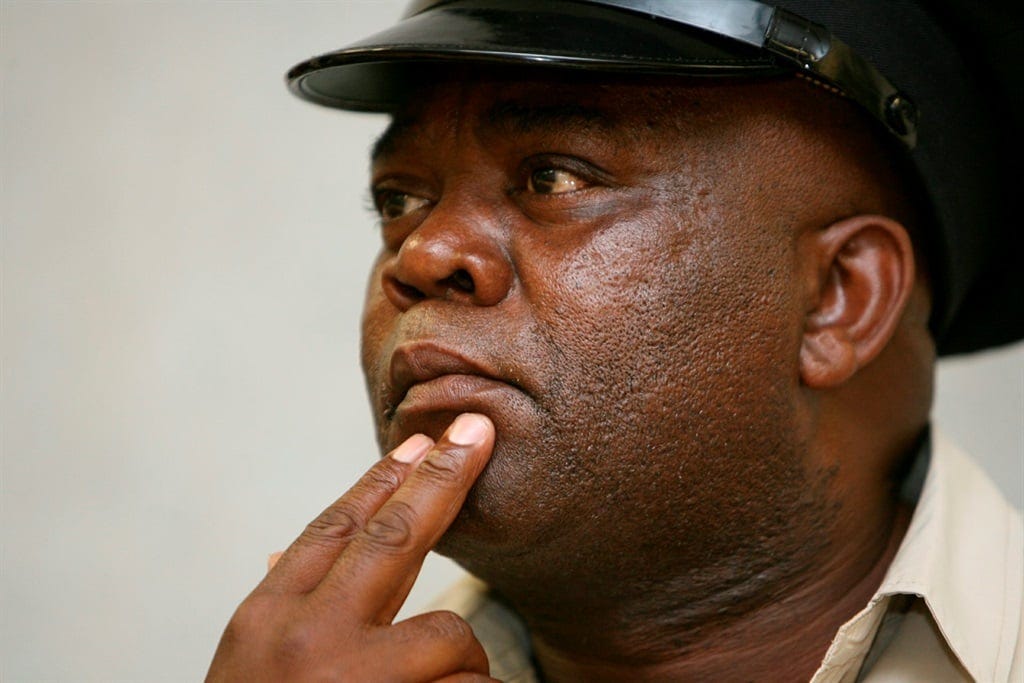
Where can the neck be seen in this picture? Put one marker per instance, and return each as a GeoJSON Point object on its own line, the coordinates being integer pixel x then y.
{"type": "Point", "coordinates": [781, 638]}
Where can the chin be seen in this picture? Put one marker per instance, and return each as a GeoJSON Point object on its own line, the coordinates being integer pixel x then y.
{"type": "Point", "coordinates": [509, 513]}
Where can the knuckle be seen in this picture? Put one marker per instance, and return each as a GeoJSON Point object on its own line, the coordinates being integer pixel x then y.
{"type": "Point", "coordinates": [294, 643]}
{"type": "Point", "coordinates": [384, 477]}
{"type": "Point", "coordinates": [305, 645]}
{"type": "Point", "coordinates": [251, 615]}
{"type": "Point", "coordinates": [450, 626]}
{"type": "Point", "coordinates": [392, 527]}
{"type": "Point", "coordinates": [252, 621]}
{"type": "Point", "coordinates": [337, 524]}
{"type": "Point", "coordinates": [443, 468]}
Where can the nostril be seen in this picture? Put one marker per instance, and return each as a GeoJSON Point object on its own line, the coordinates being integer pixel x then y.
{"type": "Point", "coordinates": [409, 292]}
{"type": "Point", "coordinates": [461, 280]}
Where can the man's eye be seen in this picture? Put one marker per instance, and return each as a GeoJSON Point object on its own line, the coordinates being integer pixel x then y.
{"type": "Point", "coordinates": [392, 204]}
{"type": "Point", "coordinates": [554, 181]}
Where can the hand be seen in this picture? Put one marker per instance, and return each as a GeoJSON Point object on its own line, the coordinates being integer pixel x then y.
{"type": "Point", "coordinates": [324, 612]}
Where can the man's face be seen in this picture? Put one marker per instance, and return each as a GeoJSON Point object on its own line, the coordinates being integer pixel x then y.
{"type": "Point", "coordinates": [606, 272]}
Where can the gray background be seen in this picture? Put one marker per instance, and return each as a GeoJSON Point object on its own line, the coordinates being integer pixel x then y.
{"type": "Point", "coordinates": [184, 250]}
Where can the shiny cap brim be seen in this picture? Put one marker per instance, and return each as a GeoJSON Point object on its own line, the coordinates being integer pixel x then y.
{"type": "Point", "coordinates": [377, 73]}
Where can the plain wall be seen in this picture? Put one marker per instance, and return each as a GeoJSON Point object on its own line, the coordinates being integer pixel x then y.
{"type": "Point", "coordinates": [185, 247]}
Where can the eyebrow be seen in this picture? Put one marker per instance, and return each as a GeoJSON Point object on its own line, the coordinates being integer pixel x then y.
{"type": "Point", "coordinates": [387, 143]}
{"type": "Point", "coordinates": [509, 117]}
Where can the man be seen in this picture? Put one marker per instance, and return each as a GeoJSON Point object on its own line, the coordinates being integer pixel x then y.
{"type": "Point", "coordinates": [650, 345]}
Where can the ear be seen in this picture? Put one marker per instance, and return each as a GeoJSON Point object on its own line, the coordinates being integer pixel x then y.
{"type": "Point", "coordinates": [860, 272]}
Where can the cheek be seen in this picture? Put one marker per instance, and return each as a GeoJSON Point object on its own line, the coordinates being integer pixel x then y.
{"type": "Point", "coordinates": [377, 323]}
{"type": "Point", "coordinates": [668, 376]}
{"type": "Point", "coordinates": [671, 317]}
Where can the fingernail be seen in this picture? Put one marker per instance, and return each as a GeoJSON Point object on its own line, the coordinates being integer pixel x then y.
{"type": "Point", "coordinates": [272, 559]}
{"type": "Point", "coordinates": [468, 429]}
{"type": "Point", "coordinates": [412, 449]}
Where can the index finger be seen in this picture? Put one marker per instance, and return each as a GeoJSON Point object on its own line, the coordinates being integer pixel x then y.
{"type": "Point", "coordinates": [301, 567]}
{"type": "Point", "coordinates": [382, 561]}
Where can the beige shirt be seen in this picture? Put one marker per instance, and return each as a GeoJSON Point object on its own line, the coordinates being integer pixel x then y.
{"type": "Point", "coordinates": [948, 609]}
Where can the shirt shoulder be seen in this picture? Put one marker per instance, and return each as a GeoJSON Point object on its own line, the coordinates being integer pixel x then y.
{"type": "Point", "coordinates": [963, 562]}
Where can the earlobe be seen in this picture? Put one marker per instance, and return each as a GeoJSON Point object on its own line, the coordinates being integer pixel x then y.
{"type": "Point", "coordinates": [827, 358]}
{"type": "Point", "coordinates": [860, 272]}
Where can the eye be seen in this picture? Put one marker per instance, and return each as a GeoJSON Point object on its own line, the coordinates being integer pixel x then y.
{"type": "Point", "coordinates": [554, 181]}
{"type": "Point", "coordinates": [392, 204]}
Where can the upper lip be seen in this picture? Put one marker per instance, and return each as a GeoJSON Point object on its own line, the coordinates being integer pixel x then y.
{"type": "Point", "coordinates": [416, 362]}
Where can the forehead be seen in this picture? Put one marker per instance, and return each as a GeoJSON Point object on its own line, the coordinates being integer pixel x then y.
{"type": "Point", "coordinates": [507, 103]}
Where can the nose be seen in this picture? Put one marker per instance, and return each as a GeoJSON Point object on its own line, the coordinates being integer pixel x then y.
{"type": "Point", "coordinates": [453, 255]}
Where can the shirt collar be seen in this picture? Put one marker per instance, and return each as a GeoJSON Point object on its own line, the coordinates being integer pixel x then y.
{"type": "Point", "coordinates": [963, 555]}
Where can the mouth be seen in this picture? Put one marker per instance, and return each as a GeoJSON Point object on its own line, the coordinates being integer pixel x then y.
{"type": "Point", "coordinates": [425, 376]}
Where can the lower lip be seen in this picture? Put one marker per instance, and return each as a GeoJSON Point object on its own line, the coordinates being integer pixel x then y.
{"type": "Point", "coordinates": [453, 393]}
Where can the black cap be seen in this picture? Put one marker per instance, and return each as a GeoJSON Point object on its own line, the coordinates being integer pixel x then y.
{"type": "Point", "coordinates": [943, 78]}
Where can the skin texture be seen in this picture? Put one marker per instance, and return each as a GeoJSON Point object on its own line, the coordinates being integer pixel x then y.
{"type": "Point", "coordinates": [692, 312]}
{"type": "Point", "coordinates": [654, 466]}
